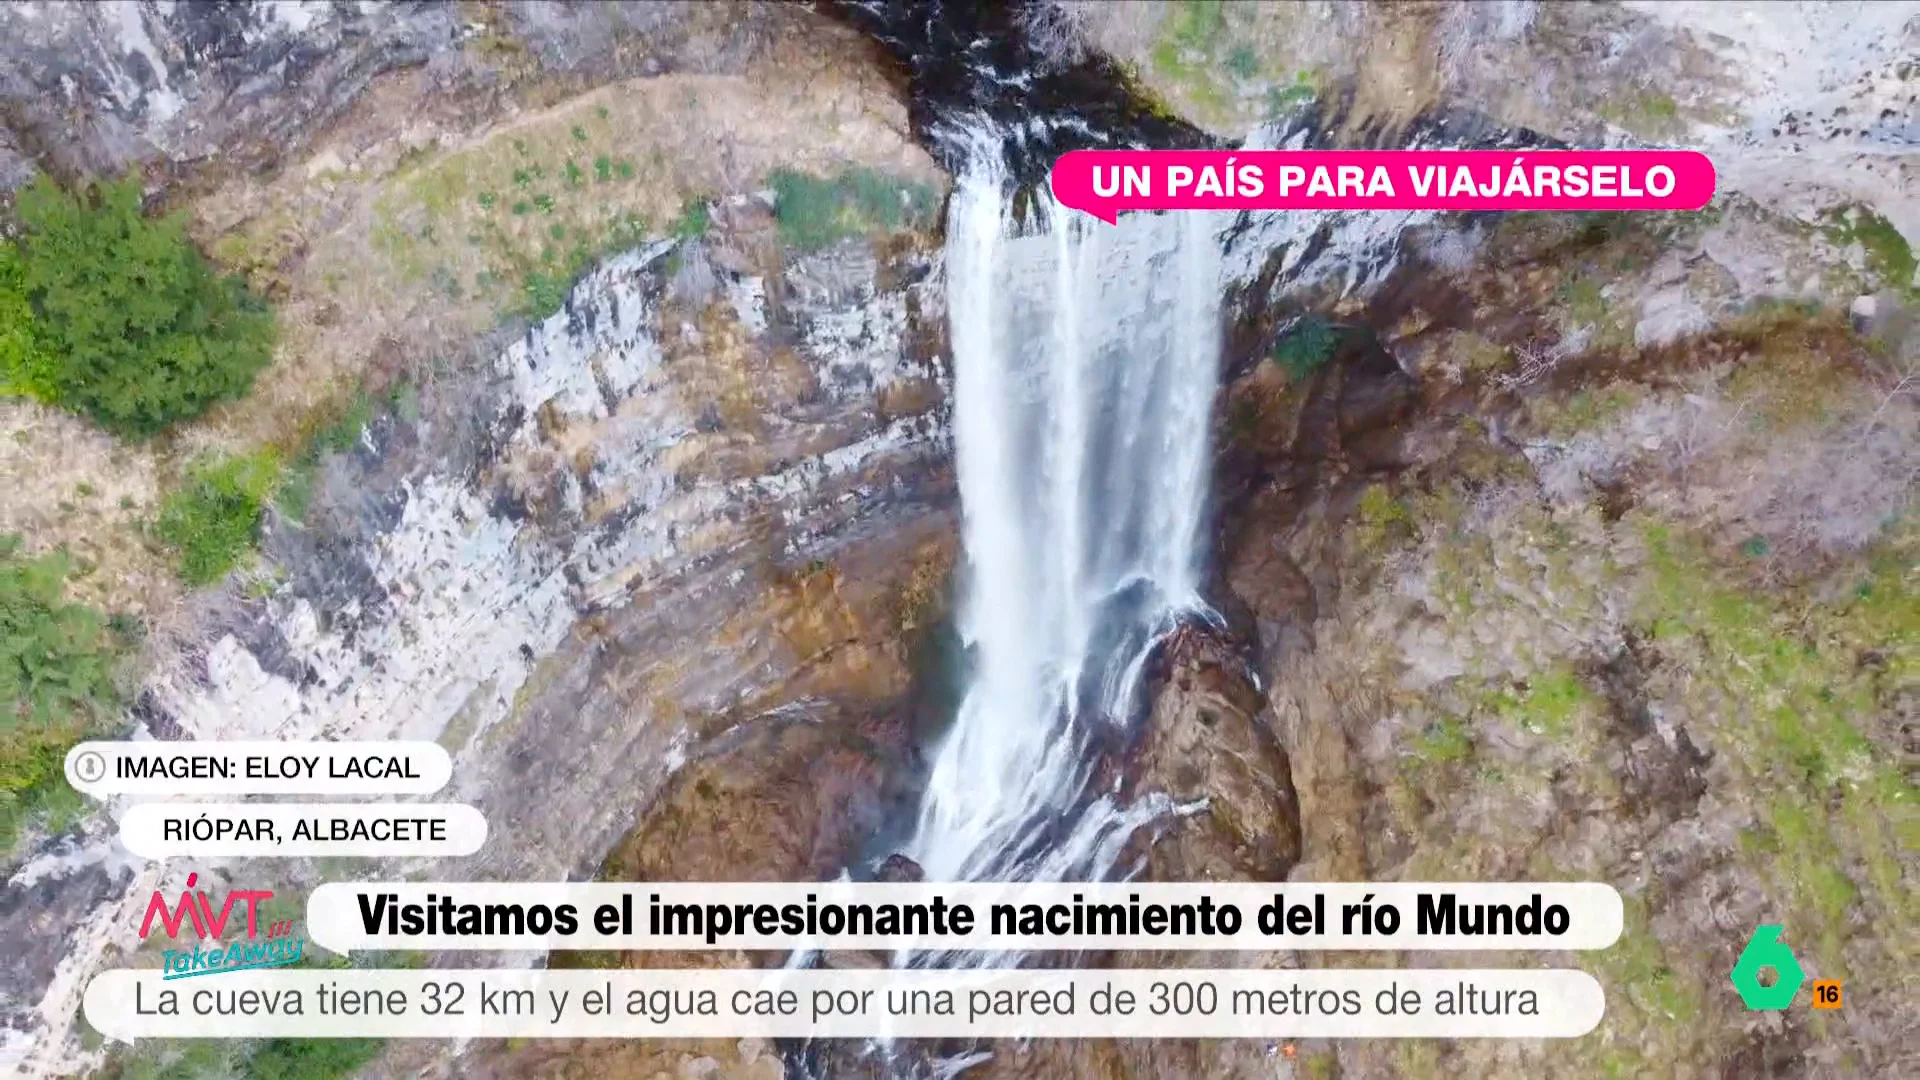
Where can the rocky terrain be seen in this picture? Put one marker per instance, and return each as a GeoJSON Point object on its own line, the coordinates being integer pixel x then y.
{"type": "Point", "coordinates": [1549, 547]}
{"type": "Point", "coordinates": [574, 548]}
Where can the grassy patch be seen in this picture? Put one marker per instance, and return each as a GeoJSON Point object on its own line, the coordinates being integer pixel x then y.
{"type": "Point", "coordinates": [56, 685]}
{"type": "Point", "coordinates": [332, 430]}
{"type": "Point", "coordinates": [1657, 999]}
{"type": "Point", "coordinates": [1547, 705]}
{"type": "Point", "coordinates": [212, 520]}
{"type": "Point", "coordinates": [1477, 355]}
{"type": "Point", "coordinates": [1296, 95]}
{"type": "Point", "coordinates": [518, 221]}
{"type": "Point", "coordinates": [589, 959]}
{"type": "Point", "coordinates": [1792, 378]}
{"type": "Point", "coordinates": [1381, 521]}
{"type": "Point", "coordinates": [1649, 114]}
{"type": "Point", "coordinates": [1208, 54]}
{"type": "Point", "coordinates": [28, 366]}
{"type": "Point", "coordinates": [1804, 674]}
{"type": "Point", "coordinates": [1583, 410]}
{"type": "Point", "coordinates": [1583, 298]}
{"type": "Point", "coordinates": [694, 220]}
{"type": "Point", "coordinates": [1446, 741]}
{"type": "Point", "coordinates": [1192, 30]}
{"type": "Point", "coordinates": [310, 1059]}
{"type": "Point", "coordinates": [1191, 34]}
{"type": "Point", "coordinates": [1889, 257]}
{"type": "Point", "coordinates": [1586, 305]}
{"type": "Point", "coordinates": [814, 212]}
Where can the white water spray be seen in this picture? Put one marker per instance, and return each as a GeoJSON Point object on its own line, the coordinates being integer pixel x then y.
{"type": "Point", "coordinates": [1086, 358]}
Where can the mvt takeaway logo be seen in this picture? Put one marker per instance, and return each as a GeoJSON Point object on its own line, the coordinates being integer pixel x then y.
{"type": "Point", "coordinates": [272, 945]}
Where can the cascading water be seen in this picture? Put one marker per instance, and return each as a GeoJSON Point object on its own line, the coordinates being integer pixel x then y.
{"type": "Point", "coordinates": [1085, 360]}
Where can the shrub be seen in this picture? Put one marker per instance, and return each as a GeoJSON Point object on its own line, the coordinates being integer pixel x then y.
{"type": "Point", "coordinates": [813, 212]}
{"type": "Point", "coordinates": [26, 367]}
{"type": "Point", "coordinates": [694, 220]}
{"type": "Point", "coordinates": [56, 682]}
{"type": "Point", "coordinates": [1307, 344]}
{"type": "Point", "coordinates": [264, 1059]}
{"type": "Point", "coordinates": [213, 519]}
{"type": "Point", "coordinates": [311, 1059]}
{"type": "Point", "coordinates": [336, 430]}
{"type": "Point", "coordinates": [137, 330]}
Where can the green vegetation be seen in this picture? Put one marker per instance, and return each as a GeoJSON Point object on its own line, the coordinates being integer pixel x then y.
{"type": "Point", "coordinates": [1583, 410]}
{"type": "Point", "coordinates": [813, 212]}
{"type": "Point", "coordinates": [212, 520]}
{"type": "Point", "coordinates": [1649, 114]}
{"type": "Point", "coordinates": [27, 367]}
{"type": "Point", "coordinates": [1547, 706]}
{"type": "Point", "coordinates": [1586, 305]}
{"type": "Point", "coordinates": [310, 1059]}
{"type": "Point", "coordinates": [546, 279]}
{"type": "Point", "coordinates": [1208, 54]}
{"type": "Point", "coordinates": [1190, 35]}
{"type": "Point", "coordinates": [611, 960]}
{"type": "Point", "coordinates": [1305, 346]}
{"type": "Point", "coordinates": [1803, 674]}
{"type": "Point", "coordinates": [1584, 296]}
{"type": "Point", "coordinates": [1243, 62]}
{"type": "Point", "coordinates": [694, 220]}
{"type": "Point", "coordinates": [337, 430]}
{"type": "Point", "coordinates": [1791, 381]}
{"type": "Point", "coordinates": [118, 316]}
{"type": "Point", "coordinates": [1298, 94]}
{"type": "Point", "coordinates": [1478, 355]}
{"type": "Point", "coordinates": [1660, 1000]}
{"type": "Point", "coordinates": [1445, 742]}
{"type": "Point", "coordinates": [1889, 257]}
{"type": "Point", "coordinates": [1197, 24]}
{"type": "Point", "coordinates": [520, 221]}
{"type": "Point", "coordinates": [1383, 521]}
{"type": "Point", "coordinates": [265, 1059]}
{"type": "Point", "coordinates": [56, 685]}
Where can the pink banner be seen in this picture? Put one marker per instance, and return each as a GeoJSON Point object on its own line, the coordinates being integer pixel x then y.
{"type": "Point", "coordinates": [1106, 182]}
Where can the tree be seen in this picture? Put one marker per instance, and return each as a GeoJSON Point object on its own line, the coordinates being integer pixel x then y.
{"type": "Point", "coordinates": [136, 329]}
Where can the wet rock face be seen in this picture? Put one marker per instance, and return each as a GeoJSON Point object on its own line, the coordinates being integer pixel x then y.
{"type": "Point", "coordinates": [967, 62]}
{"type": "Point", "coordinates": [789, 796]}
{"type": "Point", "coordinates": [1209, 746]}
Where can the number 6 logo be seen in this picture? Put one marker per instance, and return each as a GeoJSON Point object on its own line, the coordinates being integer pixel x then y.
{"type": "Point", "coordinates": [1765, 950]}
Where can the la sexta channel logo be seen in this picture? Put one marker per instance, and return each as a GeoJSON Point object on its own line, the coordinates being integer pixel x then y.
{"type": "Point", "coordinates": [1764, 953]}
{"type": "Point", "coordinates": [272, 944]}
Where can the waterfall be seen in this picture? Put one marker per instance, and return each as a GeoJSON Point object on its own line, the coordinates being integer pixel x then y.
{"type": "Point", "coordinates": [1085, 363]}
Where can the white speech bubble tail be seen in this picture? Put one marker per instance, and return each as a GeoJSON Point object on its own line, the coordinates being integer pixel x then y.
{"type": "Point", "coordinates": [331, 907]}
{"type": "Point", "coordinates": [108, 997]}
